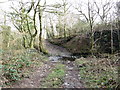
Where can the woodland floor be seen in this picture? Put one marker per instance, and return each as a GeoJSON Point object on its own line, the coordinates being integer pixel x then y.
{"type": "Point", "coordinates": [36, 79]}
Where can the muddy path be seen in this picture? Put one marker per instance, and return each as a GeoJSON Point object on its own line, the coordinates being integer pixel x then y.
{"type": "Point", "coordinates": [35, 80]}
{"type": "Point", "coordinates": [72, 77]}
{"type": "Point", "coordinates": [55, 49]}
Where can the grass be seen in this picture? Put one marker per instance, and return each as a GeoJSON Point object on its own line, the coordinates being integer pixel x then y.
{"type": "Point", "coordinates": [17, 64]}
{"type": "Point", "coordinates": [55, 78]}
{"type": "Point", "coordinates": [99, 73]}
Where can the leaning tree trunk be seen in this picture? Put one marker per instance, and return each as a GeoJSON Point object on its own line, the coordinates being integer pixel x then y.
{"type": "Point", "coordinates": [41, 49]}
{"type": "Point", "coordinates": [32, 36]}
{"type": "Point", "coordinates": [40, 32]}
{"type": "Point", "coordinates": [40, 38]}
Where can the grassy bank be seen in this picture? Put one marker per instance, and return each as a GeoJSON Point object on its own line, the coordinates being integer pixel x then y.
{"type": "Point", "coordinates": [99, 72]}
{"type": "Point", "coordinates": [17, 64]}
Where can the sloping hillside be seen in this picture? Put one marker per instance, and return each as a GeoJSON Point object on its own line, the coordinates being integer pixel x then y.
{"type": "Point", "coordinates": [104, 42]}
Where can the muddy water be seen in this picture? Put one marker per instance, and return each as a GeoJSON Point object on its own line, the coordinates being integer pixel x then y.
{"type": "Point", "coordinates": [58, 53]}
{"type": "Point", "coordinates": [62, 58]}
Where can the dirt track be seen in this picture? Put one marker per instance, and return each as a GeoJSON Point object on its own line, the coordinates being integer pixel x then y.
{"type": "Point", "coordinates": [71, 79]}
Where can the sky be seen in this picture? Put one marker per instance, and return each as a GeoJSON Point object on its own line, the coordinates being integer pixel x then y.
{"type": "Point", "coordinates": [5, 5]}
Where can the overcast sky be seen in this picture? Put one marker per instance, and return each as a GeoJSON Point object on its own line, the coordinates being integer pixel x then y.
{"type": "Point", "coordinates": [5, 4]}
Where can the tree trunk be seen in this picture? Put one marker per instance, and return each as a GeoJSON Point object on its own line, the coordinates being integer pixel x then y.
{"type": "Point", "coordinates": [32, 42]}
{"type": "Point", "coordinates": [25, 42]}
{"type": "Point", "coordinates": [111, 39]}
{"type": "Point", "coordinates": [40, 33]}
{"type": "Point", "coordinates": [64, 30]}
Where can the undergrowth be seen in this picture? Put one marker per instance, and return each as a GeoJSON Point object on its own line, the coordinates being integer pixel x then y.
{"type": "Point", "coordinates": [17, 64]}
{"type": "Point", "coordinates": [99, 72]}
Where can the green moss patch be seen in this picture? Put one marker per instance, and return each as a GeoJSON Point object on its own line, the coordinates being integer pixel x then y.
{"type": "Point", "coordinates": [55, 78]}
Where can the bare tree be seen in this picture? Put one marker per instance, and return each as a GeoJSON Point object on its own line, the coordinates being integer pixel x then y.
{"type": "Point", "coordinates": [65, 11]}
{"type": "Point", "coordinates": [51, 26]}
{"type": "Point", "coordinates": [61, 10]}
{"type": "Point", "coordinates": [112, 47]}
{"type": "Point", "coordinates": [90, 17]}
{"type": "Point", "coordinates": [118, 20]}
{"type": "Point", "coordinates": [40, 13]}
{"type": "Point", "coordinates": [38, 10]}
{"type": "Point", "coordinates": [118, 13]}
{"type": "Point", "coordinates": [26, 23]}
{"type": "Point", "coordinates": [103, 10]}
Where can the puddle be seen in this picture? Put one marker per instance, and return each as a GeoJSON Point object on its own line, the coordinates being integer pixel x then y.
{"type": "Point", "coordinates": [63, 58]}
{"type": "Point", "coordinates": [55, 58]}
